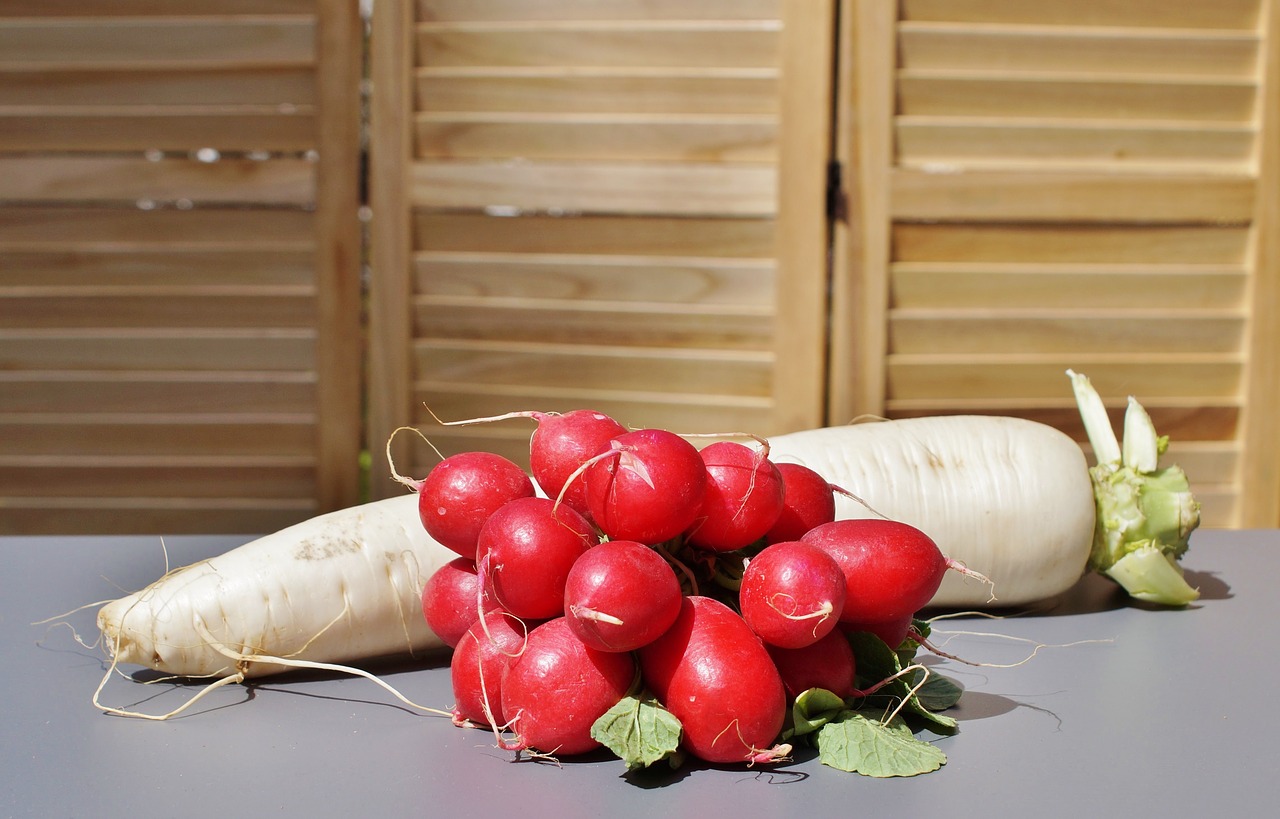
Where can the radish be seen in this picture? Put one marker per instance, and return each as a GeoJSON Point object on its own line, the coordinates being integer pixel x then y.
{"type": "Point", "coordinates": [891, 571]}
{"type": "Point", "coordinates": [462, 491]}
{"type": "Point", "coordinates": [479, 664]}
{"type": "Point", "coordinates": [558, 687]}
{"type": "Point", "coordinates": [1008, 497]}
{"type": "Point", "coordinates": [449, 600]}
{"type": "Point", "coordinates": [526, 550]}
{"type": "Point", "coordinates": [714, 675]}
{"type": "Point", "coordinates": [559, 446]}
{"type": "Point", "coordinates": [341, 587]}
{"type": "Point", "coordinates": [621, 595]}
{"type": "Point", "coordinates": [808, 501]}
{"type": "Point", "coordinates": [742, 500]}
{"type": "Point", "coordinates": [792, 594]}
{"type": "Point", "coordinates": [829, 663]}
{"type": "Point", "coordinates": [646, 485]}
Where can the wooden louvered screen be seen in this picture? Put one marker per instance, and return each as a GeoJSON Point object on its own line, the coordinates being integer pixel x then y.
{"type": "Point", "coordinates": [576, 204]}
{"type": "Point", "coordinates": [1067, 183]}
{"type": "Point", "coordinates": [179, 264]}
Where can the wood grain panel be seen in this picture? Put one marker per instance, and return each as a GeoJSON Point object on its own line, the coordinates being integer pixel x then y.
{"type": "Point", "coordinates": [86, 433]}
{"type": "Point", "coordinates": [680, 44]}
{"type": "Point", "coordinates": [1104, 286]}
{"type": "Point", "coordinates": [535, 368]}
{"type": "Point", "coordinates": [924, 141]}
{"type": "Point", "coordinates": [1077, 48]}
{"type": "Point", "coordinates": [105, 42]}
{"type": "Point", "coordinates": [689, 189]}
{"type": "Point", "coordinates": [631, 137]}
{"type": "Point", "coordinates": [287, 87]}
{"type": "Point", "coordinates": [79, 476]}
{"type": "Point", "coordinates": [1225, 14]}
{"type": "Point", "coordinates": [143, 128]}
{"type": "Point", "coordinates": [98, 349]}
{"type": "Point", "coordinates": [278, 181]}
{"type": "Point", "coordinates": [680, 280]}
{"type": "Point", "coordinates": [158, 392]}
{"type": "Point", "coordinates": [557, 10]}
{"type": "Point", "coordinates": [1070, 243]}
{"type": "Point", "coordinates": [636, 91]}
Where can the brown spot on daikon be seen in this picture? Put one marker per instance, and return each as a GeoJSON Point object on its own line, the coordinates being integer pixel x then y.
{"type": "Point", "coordinates": [326, 546]}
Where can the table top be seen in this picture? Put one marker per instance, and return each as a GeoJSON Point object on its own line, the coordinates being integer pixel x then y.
{"type": "Point", "coordinates": [1126, 710]}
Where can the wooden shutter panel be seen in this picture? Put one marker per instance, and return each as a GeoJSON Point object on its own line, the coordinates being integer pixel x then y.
{"type": "Point", "coordinates": [577, 205]}
{"type": "Point", "coordinates": [1037, 186]}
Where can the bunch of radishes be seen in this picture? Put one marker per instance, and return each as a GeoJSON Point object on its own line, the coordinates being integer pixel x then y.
{"type": "Point", "coordinates": [711, 583]}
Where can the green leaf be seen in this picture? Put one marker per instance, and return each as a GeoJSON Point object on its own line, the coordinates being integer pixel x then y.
{"type": "Point", "coordinates": [640, 731]}
{"type": "Point", "coordinates": [938, 692]}
{"type": "Point", "coordinates": [869, 747]}
{"type": "Point", "coordinates": [812, 710]}
{"type": "Point", "coordinates": [877, 662]}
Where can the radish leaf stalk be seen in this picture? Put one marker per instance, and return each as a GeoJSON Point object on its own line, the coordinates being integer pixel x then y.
{"type": "Point", "coordinates": [1145, 514]}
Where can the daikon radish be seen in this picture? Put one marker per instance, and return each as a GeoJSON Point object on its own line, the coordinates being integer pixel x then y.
{"type": "Point", "coordinates": [338, 588]}
{"type": "Point", "coordinates": [1007, 497]}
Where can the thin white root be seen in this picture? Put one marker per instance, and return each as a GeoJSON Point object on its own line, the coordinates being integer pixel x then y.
{"type": "Point", "coordinates": [413, 484]}
{"type": "Point", "coordinates": [585, 613]}
{"type": "Point", "coordinates": [243, 661]}
{"type": "Point", "coordinates": [1036, 647]}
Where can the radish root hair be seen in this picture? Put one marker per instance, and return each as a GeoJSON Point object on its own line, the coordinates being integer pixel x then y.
{"type": "Point", "coordinates": [412, 483]}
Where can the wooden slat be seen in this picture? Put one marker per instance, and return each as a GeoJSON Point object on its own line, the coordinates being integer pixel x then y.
{"type": "Point", "coordinates": [555, 10]}
{"type": "Point", "coordinates": [1204, 419]}
{"type": "Point", "coordinates": [938, 378]}
{"type": "Point", "coordinates": [1012, 285]}
{"type": "Point", "coordinates": [157, 392]}
{"type": "Point", "coordinates": [285, 87]}
{"type": "Point", "coordinates": [1109, 244]}
{"type": "Point", "coordinates": [1260, 468]}
{"type": "Point", "coordinates": [691, 189]}
{"type": "Point", "coordinates": [1077, 48]}
{"type": "Point", "coordinates": [722, 91]}
{"type": "Point", "coordinates": [281, 181]}
{"type": "Point", "coordinates": [593, 370]}
{"type": "Point", "coordinates": [631, 137]}
{"type": "Point", "coordinates": [60, 349]}
{"type": "Point", "coordinates": [682, 280]}
{"type": "Point", "coordinates": [1222, 14]}
{"type": "Point", "coordinates": [966, 142]}
{"type": "Point", "coordinates": [933, 93]}
{"type": "Point", "coordinates": [113, 43]}
{"type": "Point", "coordinates": [262, 309]}
{"type": "Point", "coordinates": [1059, 197]}
{"type": "Point", "coordinates": [802, 309]}
{"type": "Point", "coordinates": [862, 241]}
{"type": "Point", "coordinates": [72, 270]}
{"type": "Point", "coordinates": [192, 436]}
{"type": "Point", "coordinates": [158, 516]}
{"type": "Point", "coordinates": [683, 44]}
{"type": "Point", "coordinates": [391, 234]}
{"type": "Point", "coordinates": [148, 128]}
{"type": "Point", "coordinates": [153, 8]}
{"type": "Point", "coordinates": [595, 235]}
{"type": "Point", "coordinates": [61, 229]}
{"type": "Point", "coordinates": [1052, 330]}
{"type": "Point", "coordinates": [185, 477]}
{"type": "Point", "coordinates": [588, 323]}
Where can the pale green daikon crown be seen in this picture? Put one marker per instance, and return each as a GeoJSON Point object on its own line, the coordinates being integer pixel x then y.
{"type": "Point", "coordinates": [1146, 513]}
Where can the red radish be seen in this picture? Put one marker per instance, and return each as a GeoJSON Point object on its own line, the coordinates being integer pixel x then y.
{"type": "Point", "coordinates": [460, 492]}
{"type": "Point", "coordinates": [526, 550]}
{"type": "Point", "coordinates": [714, 675]}
{"type": "Point", "coordinates": [479, 664]}
{"type": "Point", "coordinates": [792, 594]}
{"type": "Point", "coordinates": [563, 443]}
{"type": "Point", "coordinates": [621, 595]}
{"type": "Point", "coordinates": [743, 498]}
{"type": "Point", "coordinates": [646, 486]}
{"type": "Point", "coordinates": [828, 663]}
{"type": "Point", "coordinates": [892, 569]}
{"type": "Point", "coordinates": [559, 687]}
{"type": "Point", "coordinates": [449, 600]}
{"type": "Point", "coordinates": [809, 501]}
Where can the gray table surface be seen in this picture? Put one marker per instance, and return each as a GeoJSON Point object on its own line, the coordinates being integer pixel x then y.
{"type": "Point", "coordinates": [1129, 711]}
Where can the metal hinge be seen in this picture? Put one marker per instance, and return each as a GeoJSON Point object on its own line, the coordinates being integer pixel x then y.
{"type": "Point", "coordinates": [836, 209]}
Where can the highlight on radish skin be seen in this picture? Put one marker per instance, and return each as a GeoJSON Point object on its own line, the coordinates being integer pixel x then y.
{"type": "Point", "coordinates": [647, 485]}
{"type": "Point", "coordinates": [621, 595]}
{"type": "Point", "coordinates": [526, 550]}
{"type": "Point", "coordinates": [792, 594]}
{"type": "Point", "coordinates": [462, 491]}
{"type": "Point", "coordinates": [742, 500]}
{"type": "Point", "coordinates": [479, 663]}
